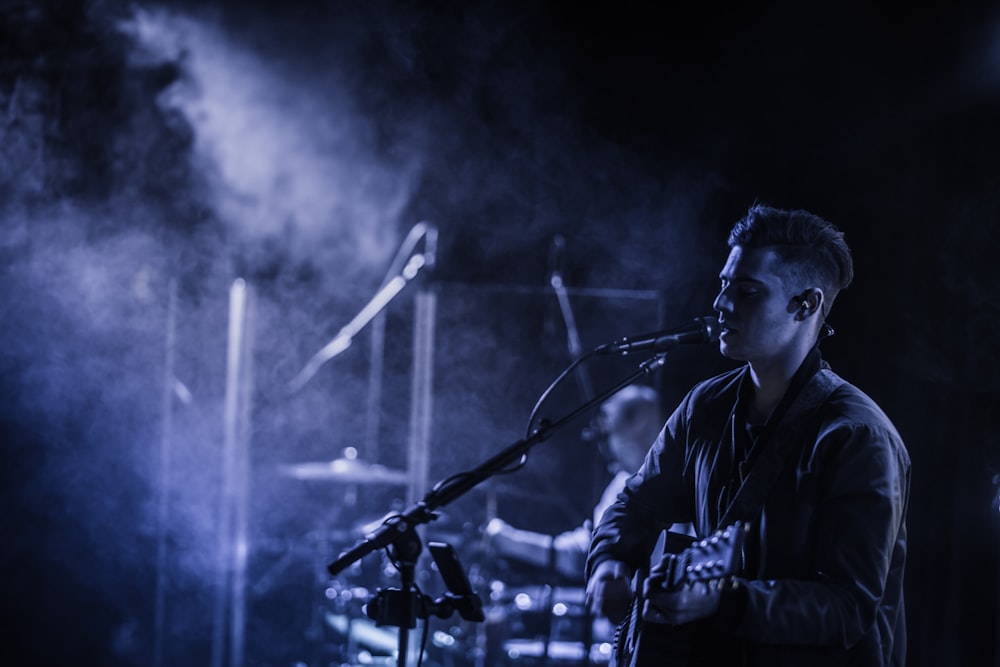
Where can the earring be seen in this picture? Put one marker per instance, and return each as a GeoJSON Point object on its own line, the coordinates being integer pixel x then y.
{"type": "Point", "coordinates": [804, 305]}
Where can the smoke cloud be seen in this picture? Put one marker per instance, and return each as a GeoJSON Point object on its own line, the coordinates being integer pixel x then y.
{"type": "Point", "coordinates": [156, 153]}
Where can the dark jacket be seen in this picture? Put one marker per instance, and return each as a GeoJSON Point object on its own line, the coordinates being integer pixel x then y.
{"type": "Point", "coordinates": [823, 583]}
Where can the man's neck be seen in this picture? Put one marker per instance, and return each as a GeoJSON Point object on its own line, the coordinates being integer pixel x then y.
{"type": "Point", "coordinates": [770, 382]}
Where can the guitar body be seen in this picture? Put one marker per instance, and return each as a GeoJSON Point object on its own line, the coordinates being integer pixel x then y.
{"type": "Point", "coordinates": [641, 643]}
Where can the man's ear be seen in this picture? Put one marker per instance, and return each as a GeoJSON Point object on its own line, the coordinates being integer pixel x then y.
{"type": "Point", "coordinates": [808, 302]}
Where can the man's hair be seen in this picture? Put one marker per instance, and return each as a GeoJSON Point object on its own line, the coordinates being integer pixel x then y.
{"type": "Point", "coordinates": [813, 250]}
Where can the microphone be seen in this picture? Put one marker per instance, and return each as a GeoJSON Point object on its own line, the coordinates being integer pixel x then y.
{"type": "Point", "coordinates": [699, 330]}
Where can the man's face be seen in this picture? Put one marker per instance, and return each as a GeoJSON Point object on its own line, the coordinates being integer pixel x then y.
{"type": "Point", "coordinates": [755, 309]}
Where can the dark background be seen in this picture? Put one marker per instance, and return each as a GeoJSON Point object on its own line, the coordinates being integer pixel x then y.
{"type": "Point", "coordinates": [152, 154]}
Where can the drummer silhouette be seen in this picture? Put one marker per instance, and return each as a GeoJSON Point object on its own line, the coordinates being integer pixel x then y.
{"type": "Point", "coordinates": [627, 424]}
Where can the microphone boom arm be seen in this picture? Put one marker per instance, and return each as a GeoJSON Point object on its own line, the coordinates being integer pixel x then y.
{"type": "Point", "coordinates": [452, 488]}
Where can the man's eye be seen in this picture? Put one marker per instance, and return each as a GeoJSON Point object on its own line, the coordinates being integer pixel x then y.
{"type": "Point", "coordinates": [748, 292]}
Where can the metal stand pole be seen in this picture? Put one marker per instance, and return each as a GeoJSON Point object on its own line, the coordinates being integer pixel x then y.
{"type": "Point", "coordinates": [421, 395]}
{"type": "Point", "coordinates": [232, 517]}
{"type": "Point", "coordinates": [163, 487]}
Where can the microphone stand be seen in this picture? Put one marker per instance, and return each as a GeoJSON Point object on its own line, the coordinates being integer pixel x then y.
{"type": "Point", "coordinates": [386, 293]}
{"type": "Point", "coordinates": [585, 386]}
{"type": "Point", "coordinates": [401, 607]}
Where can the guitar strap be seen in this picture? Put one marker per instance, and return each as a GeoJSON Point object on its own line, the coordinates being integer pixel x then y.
{"type": "Point", "coordinates": [780, 445]}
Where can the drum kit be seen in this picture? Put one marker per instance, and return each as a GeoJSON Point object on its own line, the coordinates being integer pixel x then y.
{"type": "Point", "coordinates": [525, 622]}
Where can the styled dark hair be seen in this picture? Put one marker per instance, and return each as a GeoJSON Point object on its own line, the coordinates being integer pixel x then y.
{"type": "Point", "coordinates": [812, 249]}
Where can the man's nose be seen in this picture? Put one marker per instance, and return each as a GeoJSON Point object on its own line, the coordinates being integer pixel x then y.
{"type": "Point", "coordinates": [722, 302]}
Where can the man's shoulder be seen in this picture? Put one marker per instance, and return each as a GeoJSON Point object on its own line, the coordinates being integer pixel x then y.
{"type": "Point", "coordinates": [850, 405]}
{"type": "Point", "coordinates": [855, 400]}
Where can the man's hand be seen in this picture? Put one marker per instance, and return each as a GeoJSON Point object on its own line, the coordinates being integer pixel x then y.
{"type": "Point", "coordinates": [691, 603]}
{"type": "Point", "coordinates": [609, 591]}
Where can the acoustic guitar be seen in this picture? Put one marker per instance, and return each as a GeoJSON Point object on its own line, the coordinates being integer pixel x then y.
{"type": "Point", "coordinates": [713, 561]}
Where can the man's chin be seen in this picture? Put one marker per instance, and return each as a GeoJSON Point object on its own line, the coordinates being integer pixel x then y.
{"type": "Point", "coordinates": [731, 352]}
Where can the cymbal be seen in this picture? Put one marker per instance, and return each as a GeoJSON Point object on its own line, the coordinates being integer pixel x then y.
{"type": "Point", "coordinates": [353, 471]}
